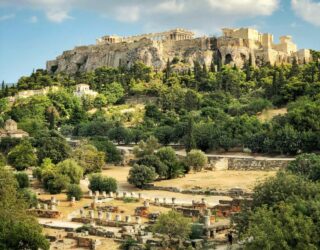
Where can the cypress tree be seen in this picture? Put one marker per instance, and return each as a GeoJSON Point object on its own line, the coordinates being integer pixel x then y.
{"type": "Point", "coordinates": [190, 142]}
{"type": "Point", "coordinates": [294, 68]}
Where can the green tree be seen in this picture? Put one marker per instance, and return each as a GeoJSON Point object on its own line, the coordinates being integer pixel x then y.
{"type": "Point", "coordinates": [281, 228]}
{"type": "Point", "coordinates": [70, 168]}
{"type": "Point", "coordinates": [174, 225]}
{"type": "Point", "coordinates": [22, 179]}
{"type": "Point", "coordinates": [165, 134]}
{"type": "Point", "coordinates": [113, 92]}
{"type": "Point", "coordinates": [153, 161]}
{"type": "Point", "coordinates": [192, 100]}
{"type": "Point", "coordinates": [196, 159]}
{"type": "Point", "coordinates": [139, 175]}
{"type": "Point", "coordinates": [52, 145]}
{"type": "Point", "coordinates": [112, 154]}
{"type": "Point", "coordinates": [89, 158]}
{"type": "Point", "coordinates": [147, 147]}
{"type": "Point", "coordinates": [18, 230]}
{"type": "Point", "coordinates": [119, 134]}
{"type": "Point", "coordinates": [167, 155]}
{"type": "Point", "coordinates": [306, 165]}
{"type": "Point", "coordinates": [102, 183]}
{"type": "Point", "coordinates": [189, 140]}
{"type": "Point", "coordinates": [22, 156]}
{"type": "Point", "coordinates": [74, 190]}
{"type": "Point", "coordinates": [57, 184]}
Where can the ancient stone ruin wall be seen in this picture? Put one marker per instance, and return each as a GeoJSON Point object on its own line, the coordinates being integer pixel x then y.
{"type": "Point", "coordinates": [247, 163]}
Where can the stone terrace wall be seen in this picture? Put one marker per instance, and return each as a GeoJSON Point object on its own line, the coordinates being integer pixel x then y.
{"type": "Point", "coordinates": [247, 163]}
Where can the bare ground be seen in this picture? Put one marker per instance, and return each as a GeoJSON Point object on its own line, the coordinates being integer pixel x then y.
{"type": "Point", "coordinates": [220, 180]}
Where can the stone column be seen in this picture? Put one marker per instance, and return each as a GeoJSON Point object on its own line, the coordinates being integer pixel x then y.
{"type": "Point", "coordinates": [118, 217]}
{"type": "Point", "coordinates": [207, 221]}
{"type": "Point", "coordinates": [81, 213]}
{"type": "Point", "coordinates": [45, 206]}
{"type": "Point", "coordinates": [124, 194]}
{"type": "Point", "coordinates": [139, 196]}
{"type": "Point", "coordinates": [108, 216]}
{"type": "Point", "coordinates": [53, 200]}
{"type": "Point", "coordinates": [132, 194]}
{"type": "Point", "coordinates": [38, 206]}
{"type": "Point", "coordinates": [90, 193]}
{"type": "Point", "coordinates": [104, 194]}
{"type": "Point", "coordinates": [203, 200]}
{"type": "Point", "coordinates": [164, 201]}
{"type": "Point", "coordinates": [91, 214]}
{"type": "Point", "coordinates": [156, 201]}
{"type": "Point", "coordinates": [53, 207]}
{"type": "Point", "coordinates": [111, 194]}
{"type": "Point", "coordinates": [128, 218]}
{"type": "Point", "coordinates": [173, 200]}
{"type": "Point", "coordinates": [97, 194]}
{"type": "Point", "coordinates": [138, 219]}
{"type": "Point", "coordinates": [100, 215]}
{"type": "Point", "coordinates": [146, 203]}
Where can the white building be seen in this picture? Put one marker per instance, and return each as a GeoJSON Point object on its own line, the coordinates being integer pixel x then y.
{"type": "Point", "coordinates": [84, 89]}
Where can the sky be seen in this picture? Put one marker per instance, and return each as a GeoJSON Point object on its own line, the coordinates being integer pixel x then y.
{"type": "Point", "coordinates": [35, 31]}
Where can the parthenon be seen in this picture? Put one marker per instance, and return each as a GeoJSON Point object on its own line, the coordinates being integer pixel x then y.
{"type": "Point", "coordinates": [173, 35]}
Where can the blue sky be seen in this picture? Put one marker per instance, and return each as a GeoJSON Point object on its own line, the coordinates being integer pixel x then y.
{"type": "Point", "coordinates": [34, 31]}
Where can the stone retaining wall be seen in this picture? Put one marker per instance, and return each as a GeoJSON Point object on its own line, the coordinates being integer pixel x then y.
{"type": "Point", "coordinates": [246, 163]}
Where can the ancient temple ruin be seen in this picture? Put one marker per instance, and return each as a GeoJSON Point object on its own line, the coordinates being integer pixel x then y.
{"type": "Point", "coordinates": [171, 35]}
{"type": "Point", "coordinates": [236, 45]}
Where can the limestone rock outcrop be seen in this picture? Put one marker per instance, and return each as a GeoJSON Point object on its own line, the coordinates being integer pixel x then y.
{"type": "Point", "coordinates": [152, 53]}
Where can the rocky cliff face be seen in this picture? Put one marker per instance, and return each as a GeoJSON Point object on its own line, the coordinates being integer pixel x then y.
{"type": "Point", "coordinates": [152, 53]}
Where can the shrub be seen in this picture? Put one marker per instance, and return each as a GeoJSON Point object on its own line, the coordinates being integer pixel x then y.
{"type": "Point", "coordinates": [173, 224]}
{"type": "Point", "coordinates": [29, 196]}
{"type": "Point", "coordinates": [130, 200]}
{"type": "Point", "coordinates": [307, 165]}
{"type": "Point", "coordinates": [71, 168]}
{"type": "Point", "coordinates": [139, 175]}
{"type": "Point", "coordinates": [196, 159]}
{"type": "Point", "coordinates": [22, 156]}
{"type": "Point", "coordinates": [196, 231]}
{"type": "Point", "coordinates": [58, 183]}
{"type": "Point", "coordinates": [74, 190]}
{"type": "Point", "coordinates": [3, 160]}
{"type": "Point", "coordinates": [22, 179]}
{"type": "Point", "coordinates": [101, 183]}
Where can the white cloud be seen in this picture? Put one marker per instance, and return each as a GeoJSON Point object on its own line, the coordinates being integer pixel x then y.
{"type": "Point", "coordinates": [57, 16]}
{"type": "Point", "coordinates": [7, 17]}
{"type": "Point", "coordinates": [127, 13]}
{"type": "Point", "coordinates": [308, 10]}
{"type": "Point", "coordinates": [204, 15]}
{"type": "Point", "coordinates": [33, 19]}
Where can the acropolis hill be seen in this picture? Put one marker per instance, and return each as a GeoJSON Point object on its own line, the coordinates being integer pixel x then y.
{"type": "Point", "coordinates": [235, 46]}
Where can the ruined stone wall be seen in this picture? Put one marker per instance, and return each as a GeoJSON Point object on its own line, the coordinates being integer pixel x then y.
{"type": "Point", "coordinates": [247, 163]}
